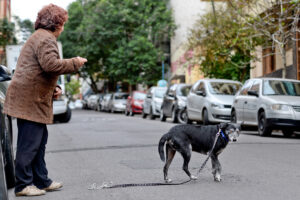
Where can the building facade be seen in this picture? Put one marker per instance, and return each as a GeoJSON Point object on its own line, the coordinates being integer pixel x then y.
{"type": "Point", "coordinates": [5, 9]}
{"type": "Point", "coordinates": [186, 13]}
{"type": "Point", "coordinates": [270, 62]}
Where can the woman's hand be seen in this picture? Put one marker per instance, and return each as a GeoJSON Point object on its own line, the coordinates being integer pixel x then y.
{"type": "Point", "coordinates": [81, 60]}
{"type": "Point", "coordinates": [57, 92]}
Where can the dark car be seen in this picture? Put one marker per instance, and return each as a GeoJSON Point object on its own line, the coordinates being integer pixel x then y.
{"type": "Point", "coordinates": [3, 188]}
{"type": "Point", "coordinates": [6, 131]}
{"type": "Point", "coordinates": [134, 103]}
{"type": "Point", "coordinates": [174, 101]}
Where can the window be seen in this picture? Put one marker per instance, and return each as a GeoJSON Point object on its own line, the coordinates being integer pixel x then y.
{"type": "Point", "coordinates": [269, 61]}
{"type": "Point", "coordinates": [246, 87]}
{"type": "Point", "coordinates": [201, 87]}
{"type": "Point", "coordinates": [277, 87]}
{"type": "Point", "coordinates": [255, 86]}
{"type": "Point", "coordinates": [224, 88]}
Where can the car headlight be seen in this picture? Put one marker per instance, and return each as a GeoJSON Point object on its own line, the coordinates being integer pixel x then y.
{"type": "Point", "coordinates": [280, 107]}
{"type": "Point", "coordinates": [216, 105]}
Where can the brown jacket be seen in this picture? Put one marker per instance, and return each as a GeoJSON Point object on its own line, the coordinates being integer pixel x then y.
{"type": "Point", "coordinates": [29, 95]}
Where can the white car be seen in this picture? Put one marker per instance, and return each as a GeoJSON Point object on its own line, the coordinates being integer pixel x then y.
{"type": "Point", "coordinates": [210, 100]}
{"type": "Point", "coordinates": [61, 110]}
{"type": "Point", "coordinates": [152, 103]}
{"type": "Point", "coordinates": [269, 104]}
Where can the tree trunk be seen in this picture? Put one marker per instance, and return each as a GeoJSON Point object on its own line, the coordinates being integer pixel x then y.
{"type": "Point", "coordinates": [93, 85]}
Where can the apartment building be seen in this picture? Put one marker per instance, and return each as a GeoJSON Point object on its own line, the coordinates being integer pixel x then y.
{"type": "Point", "coordinates": [5, 9]}
{"type": "Point", "coordinates": [270, 63]}
{"type": "Point", "coordinates": [186, 13]}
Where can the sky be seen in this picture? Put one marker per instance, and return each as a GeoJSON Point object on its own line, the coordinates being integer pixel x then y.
{"type": "Point", "coordinates": [28, 9]}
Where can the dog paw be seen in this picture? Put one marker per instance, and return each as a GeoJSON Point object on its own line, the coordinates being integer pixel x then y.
{"type": "Point", "coordinates": [168, 180]}
{"type": "Point", "coordinates": [193, 177]}
{"type": "Point", "coordinates": [218, 178]}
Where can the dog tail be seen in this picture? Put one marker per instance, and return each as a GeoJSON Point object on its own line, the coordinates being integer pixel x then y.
{"type": "Point", "coordinates": [161, 145]}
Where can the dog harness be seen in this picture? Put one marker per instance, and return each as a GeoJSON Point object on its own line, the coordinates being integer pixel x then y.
{"type": "Point", "coordinates": [223, 136]}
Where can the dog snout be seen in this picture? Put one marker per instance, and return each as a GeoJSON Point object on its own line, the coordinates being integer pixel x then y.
{"type": "Point", "coordinates": [234, 139]}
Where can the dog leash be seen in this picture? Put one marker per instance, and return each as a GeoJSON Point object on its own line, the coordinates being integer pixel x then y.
{"type": "Point", "coordinates": [109, 185]}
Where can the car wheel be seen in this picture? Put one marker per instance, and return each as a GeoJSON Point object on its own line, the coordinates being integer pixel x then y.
{"type": "Point", "coordinates": [9, 155]}
{"type": "Point", "coordinates": [64, 118]}
{"type": "Point", "coordinates": [182, 116]}
{"type": "Point", "coordinates": [174, 116]}
{"type": "Point", "coordinates": [205, 120]}
{"type": "Point", "coordinates": [152, 116]}
{"type": "Point", "coordinates": [185, 117]}
{"type": "Point", "coordinates": [162, 117]}
{"type": "Point", "coordinates": [287, 133]}
{"type": "Point", "coordinates": [144, 115]}
{"type": "Point", "coordinates": [263, 128]}
{"type": "Point", "coordinates": [233, 117]}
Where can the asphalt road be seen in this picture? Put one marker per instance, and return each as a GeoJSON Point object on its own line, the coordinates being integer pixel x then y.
{"type": "Point", "coordinates": [99, 147]}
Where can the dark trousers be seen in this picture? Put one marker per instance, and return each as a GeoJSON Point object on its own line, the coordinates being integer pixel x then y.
{"type": "Point", "coordinates": [30, 157]}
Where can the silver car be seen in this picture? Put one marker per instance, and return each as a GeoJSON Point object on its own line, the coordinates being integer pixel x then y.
{"type": "Point", "coordinates": [270, 104]}
{"type": "Point", "coordinates": [118, 101]}
{"type": "Point", "coordinates": [153, 101]}
{"type": "Point", "coordinates": [210, 100]}
{"type": "Point", "coordinates": [104, 105]}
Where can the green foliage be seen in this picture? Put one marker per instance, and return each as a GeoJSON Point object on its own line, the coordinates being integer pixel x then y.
{"type": "Point", "coordinates": [7, 36]}
{"type": "Point", "coordinates": [222, 47]}
{"type": "Point", "coordinates": [73, 87]}
{"type": "Point", "coordinates": [122, 39]}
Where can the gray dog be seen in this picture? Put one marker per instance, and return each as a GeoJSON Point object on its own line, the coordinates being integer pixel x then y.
{"type": "Point", "coordinates": [201, 139]}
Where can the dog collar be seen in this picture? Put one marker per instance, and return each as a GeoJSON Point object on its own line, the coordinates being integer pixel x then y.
{"type": "Point", "coordinates": [223, 135]}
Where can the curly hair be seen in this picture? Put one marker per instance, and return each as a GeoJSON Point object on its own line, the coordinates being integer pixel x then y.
{"type": "Point", "coordinates": [51, 17]}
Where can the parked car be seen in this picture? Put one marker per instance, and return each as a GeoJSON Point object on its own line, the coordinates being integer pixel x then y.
{"type": "Point", "coordinates": [134, 103]}
{"type": "Point", "coordinates": [104, 105]}
{"type": "Point", "coordinates": [117, 102]}
{"type": "Point", "coordinates": [3, 187]}
{"type": "Point", "coordinates": [94, 101]}
{"type": "Point", "coordinates": [61, 109]}
{"type": "Point", "coordinates": [6, 135]}
{"type": "Point", "coordinates": [270, 104]}
{"type": "Point", "coordinates": [210, 100]}
{"type": "Point", "coordinates": [174, 100]}
{"type": "Point", "coordinates": [153, 101]}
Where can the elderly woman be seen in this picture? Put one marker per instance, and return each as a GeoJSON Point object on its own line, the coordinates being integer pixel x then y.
{"type": "Point", "coordinates": [30, 96]}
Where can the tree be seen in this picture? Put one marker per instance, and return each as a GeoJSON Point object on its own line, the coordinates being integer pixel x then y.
{"type": "Point", "coordinates": [122, 39]}
{"type": "Point", "coordinates": [7, 31]}
{"type": "Point", "coordinates": [276, 22]}
{"type": "Point", "coordinates": [73, 88]}
{"type": "Point", "coordinates": [25, 28]}
{"type": "Point", "coordinates": [221, 45]}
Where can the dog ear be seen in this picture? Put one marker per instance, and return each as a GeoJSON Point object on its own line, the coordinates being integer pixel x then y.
{"type": "Point", "coordinates": [223, 125]}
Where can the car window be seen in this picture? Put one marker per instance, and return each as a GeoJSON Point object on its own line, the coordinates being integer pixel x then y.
{"type": "Point", "coordinates": [194, 87]}
{"type": "Point", "coordinates": [246, 87]}
{"type": "Point", "coordinates": [159, 93]}
{"type": "Point", "coordinates": [278, 87]}
{"type": "Point", "coordinates": [255, 86]}
{"type": "Point", "coordinates": [201, 87]}
{"type": "Point", "coordinates": [139, 96]}
{"type": "Point", "coordinates": [184, 91]}
{"type": "Point", "coordinates": [223, 88]}
{"type": "Point", "coordinates": [121, 96]}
